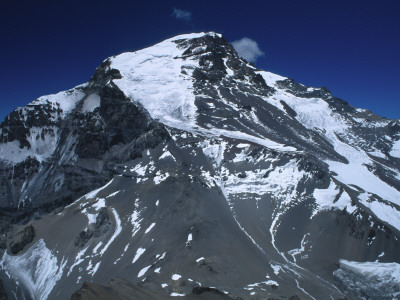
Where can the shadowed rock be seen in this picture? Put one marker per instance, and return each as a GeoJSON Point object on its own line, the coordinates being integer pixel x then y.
{"type": "Point", "coordinates": [21, 239]}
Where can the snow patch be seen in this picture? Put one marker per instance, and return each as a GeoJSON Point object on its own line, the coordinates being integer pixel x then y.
{"type": "Point", "coordinates": [177, 294]}
{"type": "Point", "coordinates": [276, 268]}
{"type": "Point", "coordinates": [386, 213]}
{"type": "Point", "coordinates": [95, 268]}
{"type": "Point", "coordinates": [228, 70]}
{"type": "Point", "coordinates": [100, 203]}
{"type": "Point", "coordinates": [66, 100]}
{"type": "Point", "coordinates": [139, 253]}
{"type": "Point", "coordinates": [143, 271]}
{"type": "Point", "coordinates": [139, 170]}
{"type": "Point", "coordinates": [113, 194]}
{"type": "Point", "coordinates": [167, 154]}
{"type": "Point", "coordinates": [189, 238]}
{"type": "Point", "coordinates": [91, 218]}
{"type": "Point", "coordinates": [324, 199]}
{"type": "Point", "coordinates": [135, 222]}
{"type": "Point", "coordinates": [150, 228]}
{"type": "Point", "coordinates": [78, 260]}
{"type": "Point", "coordinates": [41, 148]}
{"type": "Point", "coordinates": [176, 277]}
{"type": "Point", "coordinates": [37, 269]}
{"type": "Point", "coordinates": [300, 250]}
{"type": "Point", "coordinates": [160, 177]}
{"type": "Point", "coordinates": [395, 151]}
{"type": "Point", "coordinates": [153, 77]}
{"type": "Point", "coordinates": [270, 78]}
{"type": "Point", "coordinates": [91, 103]}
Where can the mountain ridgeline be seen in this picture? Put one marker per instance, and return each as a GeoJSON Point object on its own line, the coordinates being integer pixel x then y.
{"type": "Point", "coordinates": [183, 170]}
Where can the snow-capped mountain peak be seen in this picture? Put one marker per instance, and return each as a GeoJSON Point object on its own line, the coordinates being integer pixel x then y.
{"type": "Point", "coordinates": [182, 165]}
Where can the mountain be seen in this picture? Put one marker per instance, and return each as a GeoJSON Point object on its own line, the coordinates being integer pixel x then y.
{"type": "Point", "coordinates": [182, 166]}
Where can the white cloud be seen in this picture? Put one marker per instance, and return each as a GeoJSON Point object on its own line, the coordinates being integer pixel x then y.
{"type": "Point", "coordinates": [248, 49]}
{"type": "Point", "coordinates": [181, 14]}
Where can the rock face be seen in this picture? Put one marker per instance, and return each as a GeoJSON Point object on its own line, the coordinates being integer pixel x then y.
{"type": "Point", "coordinates": [182, 166]}
{"type": "Point", "coordinates": [22, 238]}
{"type": "Point", "coordinates": [119, 289]}
{"type": "Point", "coordinates": [3, 295]}
{"type": "Point", "coordinates": [62, 146]}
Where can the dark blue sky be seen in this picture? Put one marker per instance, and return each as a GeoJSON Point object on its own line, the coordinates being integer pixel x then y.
{"type": "Point", "coordinates": [351, 47]}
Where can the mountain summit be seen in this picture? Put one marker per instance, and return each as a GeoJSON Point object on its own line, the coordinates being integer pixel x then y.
{"type": "Point", "coordinates": [182, 166]}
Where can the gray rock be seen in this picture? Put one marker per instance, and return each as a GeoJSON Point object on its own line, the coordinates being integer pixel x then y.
{"type": "Point", "coordinates": [22, 239]}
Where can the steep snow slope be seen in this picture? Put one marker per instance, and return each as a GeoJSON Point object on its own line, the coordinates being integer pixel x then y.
{"type": "Point", "coordinates": [181, 165]}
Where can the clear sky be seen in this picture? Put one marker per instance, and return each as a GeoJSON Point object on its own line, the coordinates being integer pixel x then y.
{"type": "Point", "coordinates": [351, 47]}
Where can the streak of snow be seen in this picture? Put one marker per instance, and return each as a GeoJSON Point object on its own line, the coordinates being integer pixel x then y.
{"type": "Point", "coordinates": [300, 250]}
{"type": "Point", "coordinates": [143, 271]}
{"type": "Point", "coordinates": [139, 253]}
{"type": "Point", "coordinates": [177, 294]}
{"type": "Point", "coordinates": [303, 290]}
{"type": "Point", "coordinates": [97, 247]}
{"type": "Point", "coordinates": [150, 228]}
{"type": "Point", "coordinates": [199, 259]}
{"type": "Point", "coordinates": [113, 194]}
{"type": "Point", "coordinates": [241, 145]}
{"type": "Point", "coordinates": [78, 260]}
{"type": "Point", "coordinates": [95, 268]}
{"type": "Point", "coordinates": [135, 219]}
{"type": "Point", "coordinates": [228, 70]}
{"type": "Point", "coordinates": [216, 132]}
{"type": "Point", "coordinates": [167, 154]}
{"type": "Point", "coordinates": [94, 193]}
{"type": "Point", "coordinates": [117, 231]}
{"type": "Point", "coordinates": [377, 154]}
